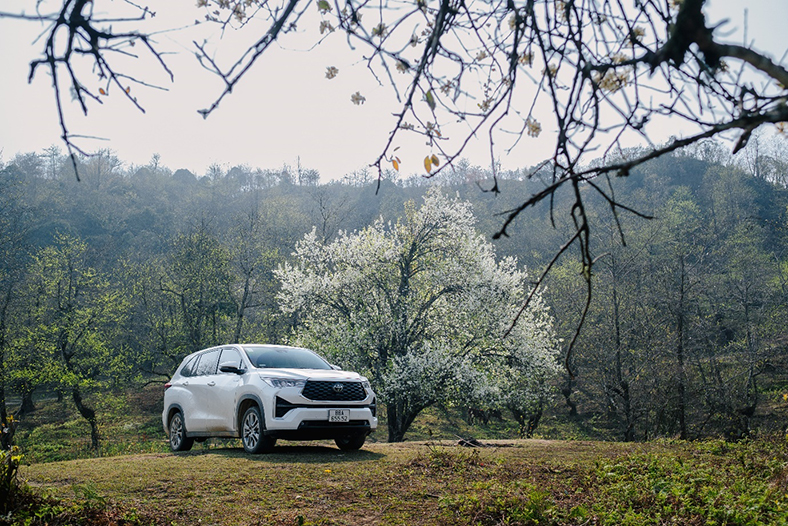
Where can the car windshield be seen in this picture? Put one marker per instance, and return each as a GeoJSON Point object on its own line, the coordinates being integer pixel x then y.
{"type": "Point", "coordinates": [275, 357]}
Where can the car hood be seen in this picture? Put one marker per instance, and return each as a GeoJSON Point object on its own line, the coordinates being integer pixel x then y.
{"type": "Point", "coordinates": [310, 374]}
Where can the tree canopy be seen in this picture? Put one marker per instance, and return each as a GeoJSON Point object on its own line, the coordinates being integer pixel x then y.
{"type": "Point", "coordinates": [422, 307]}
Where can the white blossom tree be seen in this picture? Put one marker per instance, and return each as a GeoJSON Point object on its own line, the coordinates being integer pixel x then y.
{"type": "Point", "coordinates": [423, 308]}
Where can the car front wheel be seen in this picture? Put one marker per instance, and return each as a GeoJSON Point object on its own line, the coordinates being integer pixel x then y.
{"type": "Point", "coordinates": [351, 442]}
{"type": "Point", "coordinates": [178, 439]}
{"type": "Point", "coordinates": [253, 432]}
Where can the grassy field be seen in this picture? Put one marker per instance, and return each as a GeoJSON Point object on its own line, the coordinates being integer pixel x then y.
{"type": "Point", "coordinates": [429, 483]}
{"type": "Point", "coordinates": [131, 423]}
{"type": "Point", "coordinates": [429, 480]}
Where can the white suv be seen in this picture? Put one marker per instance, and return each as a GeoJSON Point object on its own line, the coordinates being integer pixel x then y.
{"type": "Point", "coordinates": [259, 393]}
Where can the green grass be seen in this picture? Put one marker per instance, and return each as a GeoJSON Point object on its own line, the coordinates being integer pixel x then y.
{"type": "Point", "coordinates": [710, 482]}
{"type": "Point", "coordinates": [131, 423]}
{"type": "Point", "coordinates": [127, 424]}
{"type": "Point", "coordinates": [429, 480]}
{"type": "Point", "coordinates": [520, 482]}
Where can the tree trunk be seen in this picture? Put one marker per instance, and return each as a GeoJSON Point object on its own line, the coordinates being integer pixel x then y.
{"type": "Point", "coordinates": [89, 415]}
{"type": "Point", "coordinates": [566, 390]}
{"type": "Point", "coordinates": [3, 413]}
{"type": "Point", "coordinates": [240, 312]}
{"type": "Point", "coordinates": [6, 434]}
{"type": "Point", "coordinates": [3, 410]}
{"type": "Point", "coordinates": [681, 373]}
{"type": "Point", "coordinates": [27, 406]}
{"type": "Point", "coordinates": [239, 323]}
{"type": "Point", "coordinates": [623, 385]}
{"type": "Point", "coordinates": [399, 420]}
{"type": "Point", "coordinates": [533, 421]}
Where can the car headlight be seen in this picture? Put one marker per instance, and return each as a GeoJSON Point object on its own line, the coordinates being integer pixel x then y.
{"type": "Point", "coordinates": [365, 384]}
{"type": "Point", "coordinates": [280, 383]}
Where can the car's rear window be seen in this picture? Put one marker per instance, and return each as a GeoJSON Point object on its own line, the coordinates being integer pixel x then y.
{"type": "Point", "coordinates": [274, 357]}
{"type": "Point", "coordinates": [189, 368]}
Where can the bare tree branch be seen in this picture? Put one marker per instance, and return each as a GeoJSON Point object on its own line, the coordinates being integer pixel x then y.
{"type": "Point", "coordinates": [593, 74]}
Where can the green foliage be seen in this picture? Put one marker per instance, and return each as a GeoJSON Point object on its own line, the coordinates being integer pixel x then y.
{"type": "Point", "coordinates": [713, 482]}
{"type": "Point", "coordinates": [197, 276]}
{"type": "Point", "coordinates": [443, 458]}
{"type": "Point", "coordinates": [685, 314]}
{"type": "Point", "coordinates": [67, 340]}
{"type": "Point", "coordinates": [718, 483]}
{"type": "Point", "coordinates": [129, 422]}
{"type": "Point", "coordinates": [9, 466]}
{"type": "Point", "coordinates": [492, 503]}
{"type": "Point", "coordinates": [34, 508]}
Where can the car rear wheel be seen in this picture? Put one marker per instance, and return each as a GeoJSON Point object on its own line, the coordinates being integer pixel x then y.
{"type": "Point", "coordinates": [351, 442]}
{"type": "Point", "coordinates": [178, 439]}
{"type": "Point", "coordinates": [253, 432]}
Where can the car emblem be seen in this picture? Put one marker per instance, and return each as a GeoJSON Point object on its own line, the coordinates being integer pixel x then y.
{"type": "Point", "coordinates": [338, 388]}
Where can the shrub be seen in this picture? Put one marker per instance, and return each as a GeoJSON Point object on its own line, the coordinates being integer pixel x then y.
{"type": "Point", "coordinates": [9, 464]}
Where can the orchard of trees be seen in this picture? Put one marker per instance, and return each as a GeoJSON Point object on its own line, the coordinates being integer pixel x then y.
{"type": "Point", "coordinates": [107, 283]}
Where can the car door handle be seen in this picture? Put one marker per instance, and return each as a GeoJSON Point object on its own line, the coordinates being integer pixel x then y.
{"type": "Point", "coordinates": [211, 384]}
{"type": "Point", "coordinates": [185, 383]}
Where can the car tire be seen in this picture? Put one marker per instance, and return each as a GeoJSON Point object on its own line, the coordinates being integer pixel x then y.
{"type": "Point", "coordinates": [253, 434]}
{"type": "Point", "coordinates": [178, 439]}
{"type": "Point", "coordinates": [351, 442]}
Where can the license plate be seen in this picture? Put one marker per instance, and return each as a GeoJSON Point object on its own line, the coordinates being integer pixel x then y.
{"type": "Point", "coordinates": [339, 415]}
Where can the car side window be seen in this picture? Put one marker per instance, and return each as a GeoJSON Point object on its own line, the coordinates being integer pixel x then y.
{"type": "Point", "coordinates": [231, 357]}
{"type": "Point", "coordinates": [190, 368]}
{"type": "Point", "coordinates": [208, 363]}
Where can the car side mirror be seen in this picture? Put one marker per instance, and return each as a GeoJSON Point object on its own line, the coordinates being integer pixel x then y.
{"type": "Point", "coordinates": [335, 367]}
{"type": "Point", "coordinates": [231, 369]}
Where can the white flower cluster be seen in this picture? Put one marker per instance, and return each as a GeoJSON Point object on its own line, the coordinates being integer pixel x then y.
{"type": "Point", "coordinates": [421, 306]}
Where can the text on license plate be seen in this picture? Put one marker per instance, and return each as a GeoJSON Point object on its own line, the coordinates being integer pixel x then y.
{"type": "Point", "coordinates": [339, 415]}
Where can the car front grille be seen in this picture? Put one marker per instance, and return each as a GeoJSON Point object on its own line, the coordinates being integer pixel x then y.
{"type": "Point", "coordinates": [334, 391]}
{"type": "Point", "coordinates": [283, 407]}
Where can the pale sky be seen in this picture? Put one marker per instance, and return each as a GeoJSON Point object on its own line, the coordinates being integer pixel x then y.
{"type": "Point", "coordinates": [285, 109]}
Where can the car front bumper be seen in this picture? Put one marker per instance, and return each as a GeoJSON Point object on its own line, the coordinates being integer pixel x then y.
{"type": "Point", "coordinates": [311, 422]}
